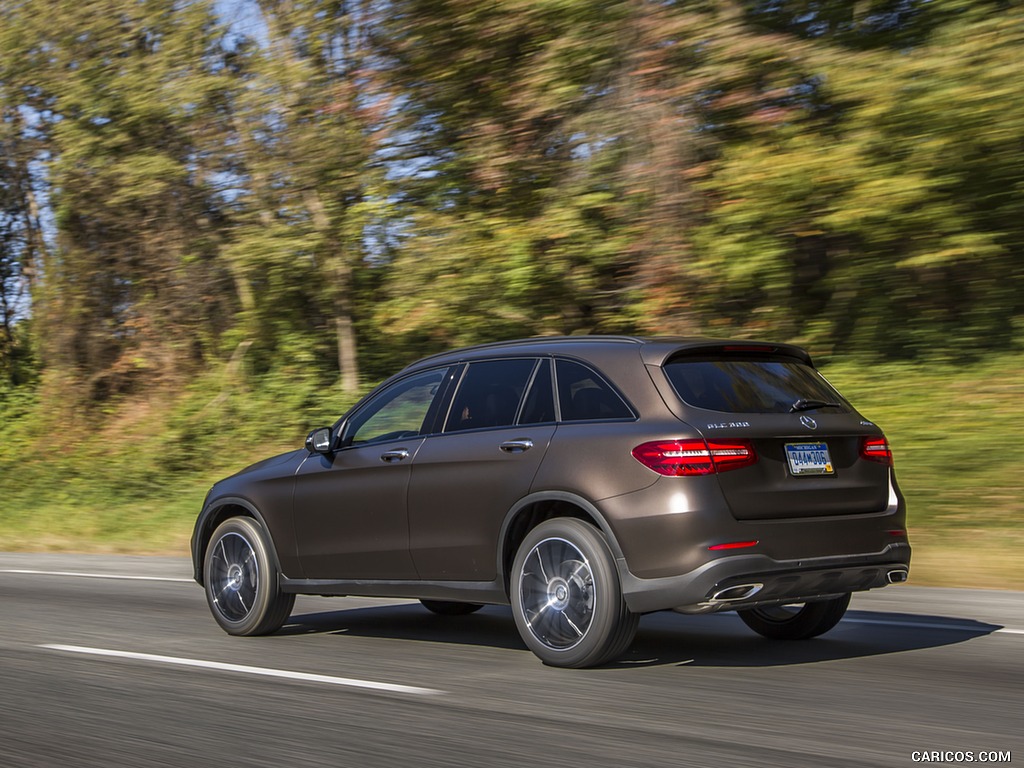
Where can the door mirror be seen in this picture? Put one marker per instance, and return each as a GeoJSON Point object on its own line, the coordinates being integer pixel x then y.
{"type": "Point", "coordinates": [319, 440]}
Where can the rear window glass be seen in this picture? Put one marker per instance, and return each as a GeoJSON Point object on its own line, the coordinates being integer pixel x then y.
{"type": "Point", "coordinates": [489, 394]}
{"type": "Point", "coordinates": [744, 385]}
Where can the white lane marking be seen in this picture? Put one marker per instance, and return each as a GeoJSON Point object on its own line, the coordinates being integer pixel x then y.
{"type": "Point", "coordinates": [262, 671]}
{"type": "Point", "coordinates": [91, 575]}
{"type": "Point", "coordinates": [979, 630]}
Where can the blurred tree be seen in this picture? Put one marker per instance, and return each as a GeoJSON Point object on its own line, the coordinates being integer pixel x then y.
{"type": "Point", "coordinates": [861, 24]}
{"type": "Point", "coordinates": [15, 247]}
{"type": "Point", "coordinates": [887, 217]}
{"type": "Point", "coordinates": [432, 173]}
{"type": "Point", "coordinates": [128, 97]}
{"type": "Point", "coordinates": [22, 247]}
{"type": "Point", "coordinates": [514, 226]}
{"type": "Point", "coordinates": [311, 119]}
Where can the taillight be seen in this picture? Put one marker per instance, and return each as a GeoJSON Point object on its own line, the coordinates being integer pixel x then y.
{"type": "Point", "coordinates": [732, 455]}
{"type": "Point", "coordinates": [682, 458]}
{"type": "Point", "coordinates": [876, 449]}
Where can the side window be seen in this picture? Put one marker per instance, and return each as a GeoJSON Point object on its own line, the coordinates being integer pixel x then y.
{"type": "Point", "coordinates": [397, 412]}
{"type": "Point", "coordinates": [583, 395]}
{"type": "Point", "coordinates": [539, 407]}
{"type": "Point", "coordinates": [489, 394]}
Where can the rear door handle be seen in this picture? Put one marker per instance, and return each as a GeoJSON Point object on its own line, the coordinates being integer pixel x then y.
{"type": "Point", "coordinates": [393, 456]}
{"type": "Point", "coordinates": [517, 446]}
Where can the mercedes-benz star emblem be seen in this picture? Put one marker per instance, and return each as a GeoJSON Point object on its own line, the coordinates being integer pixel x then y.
{"type": "Point", "coordinates": [808, 422]}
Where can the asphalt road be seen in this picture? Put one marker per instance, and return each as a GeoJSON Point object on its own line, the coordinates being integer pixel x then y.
{"type": "Point", "coordinates": [117, 671]}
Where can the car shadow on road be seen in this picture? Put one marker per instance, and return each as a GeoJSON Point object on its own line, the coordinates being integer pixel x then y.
{"type": "Point", "coordinates": [491, 626]}
{"type": "Point", "coordinates": [723, 640]}
{"type": "Point", "coordinates": [718, 640]}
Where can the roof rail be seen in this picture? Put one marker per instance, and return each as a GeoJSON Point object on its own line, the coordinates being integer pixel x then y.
{"type": "Point", "coordinates": [595, 338]}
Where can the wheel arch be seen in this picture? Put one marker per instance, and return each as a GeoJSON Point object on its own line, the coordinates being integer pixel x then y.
{"type": "Point", "coordinates": [213, 515]}
{"type": "Point", "coordinates": [532, 510]}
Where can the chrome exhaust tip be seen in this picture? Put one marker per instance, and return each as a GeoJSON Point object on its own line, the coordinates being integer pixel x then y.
{"type": "Point", "coordinates": [897, 576]}
{"type": "Point", "coordinates": [736, 593]}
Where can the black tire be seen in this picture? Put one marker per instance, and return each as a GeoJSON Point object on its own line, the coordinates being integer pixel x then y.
{"type": "Point", "coordinates": [449, 608]}
{"type": "Point", "coordinates": [241, 578]}
{"type": "Point", "coordinates": [792, 622]}
{"type": "Point", "coordinates": [566, 597]}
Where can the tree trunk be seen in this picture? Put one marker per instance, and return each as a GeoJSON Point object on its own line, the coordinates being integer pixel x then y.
{"type": "Point", "coordinates": [35, 256]}
{"type": "Point", "coordinates": [340, 275]}
{"type": "Point", "coordinates": [347, 362]}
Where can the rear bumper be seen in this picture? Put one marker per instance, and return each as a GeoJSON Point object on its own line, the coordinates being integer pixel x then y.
{"type": "Point", "coordinates": [776, 581]}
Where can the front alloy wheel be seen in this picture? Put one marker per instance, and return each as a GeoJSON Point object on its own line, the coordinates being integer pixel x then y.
{"type": "Point", "coordinates": [234, 576]}
{"type": "Point", "coordinates": [241, 580]}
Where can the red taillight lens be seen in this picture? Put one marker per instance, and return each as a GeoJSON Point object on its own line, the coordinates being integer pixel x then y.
{"type": "Point", "coordinates": [876, 449]}
{"type": "Point", "coordinates": [676, 458]}
{"type": "Point", "coordinates": [683, 458]}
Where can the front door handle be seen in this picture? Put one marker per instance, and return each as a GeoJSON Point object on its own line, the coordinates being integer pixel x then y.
{"type": "Point", "coordinates": [391, 457]}
{"type": "Point", "coordinates": [517, 446]}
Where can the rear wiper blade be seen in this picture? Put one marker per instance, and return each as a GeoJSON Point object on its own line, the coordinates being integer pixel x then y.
{"type": "Point", "coordinates": [807, 405]}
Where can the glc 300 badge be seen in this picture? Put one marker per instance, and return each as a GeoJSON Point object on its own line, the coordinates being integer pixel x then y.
{"type": "Point", "coordinates": [729, 425]}
{"type": "Point", "coordinates": [808, 422]}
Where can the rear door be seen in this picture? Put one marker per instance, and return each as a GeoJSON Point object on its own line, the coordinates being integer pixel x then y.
{"type": "Point", "coordinates": [808, 439]}
{"type": "Point", "coordinates": [465, 479]}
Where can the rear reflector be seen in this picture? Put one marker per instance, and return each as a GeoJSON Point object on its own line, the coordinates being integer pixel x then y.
{"type": "Point", "coordinates": [876, 449]}
{"type": "Point", "coordinates": [684, 458]}
{"type": "Point", "coordinates": [733, 545]}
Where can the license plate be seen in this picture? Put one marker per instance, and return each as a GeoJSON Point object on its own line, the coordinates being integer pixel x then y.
{"type": "Point", "coordinates": [809, 459]}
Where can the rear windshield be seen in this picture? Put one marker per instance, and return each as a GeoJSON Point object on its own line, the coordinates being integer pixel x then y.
{"type": "Point", "coordinates": [751, 385]}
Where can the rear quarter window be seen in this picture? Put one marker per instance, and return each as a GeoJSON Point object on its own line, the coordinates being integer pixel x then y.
{"type": "Point", "coordinates": [749, 385]}
{"type": "Point", "coordinates": [584, 395]}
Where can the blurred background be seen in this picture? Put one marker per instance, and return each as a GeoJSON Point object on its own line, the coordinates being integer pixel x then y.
{"type": "Point", "coordinates": [221, 222]}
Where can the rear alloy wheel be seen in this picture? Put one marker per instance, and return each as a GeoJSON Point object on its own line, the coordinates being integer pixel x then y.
{"type": "Point", "coordinates": [566, 598]}
{"type": "Point", "coordinates": [799, 621]}
{"type": "Point", "coordinates": [241, 580]}
{"type": "Point", "coordinates": [449, 608]}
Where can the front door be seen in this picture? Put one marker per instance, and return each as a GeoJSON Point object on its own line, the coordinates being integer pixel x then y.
{"type": "Point", "coordinates": [351, 515]}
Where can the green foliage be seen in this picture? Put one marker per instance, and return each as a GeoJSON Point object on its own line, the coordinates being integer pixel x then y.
{"type": "Point", "coordinates": [887, 224]}
{"type": "Point", "coordinates": [131, 285]}
{"type": "Point", "coordinates": [952, 429]}
{"type": "Point", "coordinates": [134, 478]}
{"type": "Point", "coordinates": [430, 174]}
{"type": "Point", "coordinates": [231, 225]}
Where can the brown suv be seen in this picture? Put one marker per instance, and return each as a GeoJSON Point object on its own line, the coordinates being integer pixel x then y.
{"type": "Point", "coordinates": [584, 481]}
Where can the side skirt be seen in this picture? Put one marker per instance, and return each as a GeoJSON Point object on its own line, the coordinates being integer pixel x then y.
{"type": "Point", "coordinates": [487, 592]}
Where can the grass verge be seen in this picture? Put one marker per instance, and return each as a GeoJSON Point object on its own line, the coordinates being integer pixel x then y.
{"type": "Point", "coordinates": [954, 430]}
{"type": "Point", "coordinates": [133, 479]}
